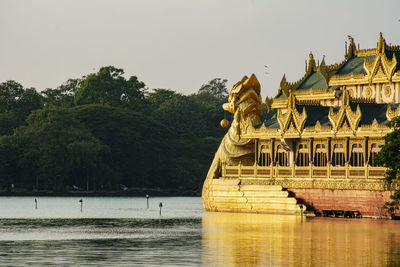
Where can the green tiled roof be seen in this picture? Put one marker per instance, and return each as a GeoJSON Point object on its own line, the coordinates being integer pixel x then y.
{"type": "Point", "coordinates": [272, 123]}
{"type": "Point", "coordinates": [371, 111]}
{"type": "Point", "coordinates": [396, 54]}
{"type": "Point", "coordinates": [315, 81]}
{"type": "Point", "coordinates": [354, 65]}
{"type": "Point", "coordinates": [314, 114]}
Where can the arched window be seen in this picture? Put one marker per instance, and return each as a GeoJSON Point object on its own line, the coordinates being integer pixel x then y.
{"type": "Point", "coordinates": [303, 156]}
{"type": "Point", "coordinates": [357, 156]}
{"type": "Point", "coordinates": [338, 158]}
{"type": "Point", "coordinates": [265, 156]}
{"type": "Point", "coordinates": [372, 155]}
{"type": "Point", "coordinates": [282, 156]}
{"type": "Point", "coordinates": [320, 158]}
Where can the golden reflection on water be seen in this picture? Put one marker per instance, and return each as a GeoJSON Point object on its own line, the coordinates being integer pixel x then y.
{"type": "Point", "coordinates": [236, 239]}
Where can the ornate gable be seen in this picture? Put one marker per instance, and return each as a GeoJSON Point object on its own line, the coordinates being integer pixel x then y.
{"type": "Point", "coordinates": [345, 114]}
{"type": "Point", "coordinates": [292, 121]}
{"type": "Point", "coordinates": [380, 68]}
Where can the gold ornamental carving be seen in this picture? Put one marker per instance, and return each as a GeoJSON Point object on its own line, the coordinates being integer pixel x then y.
{"type": "Point", "coordinates": [345, 112]}
{"type": "Point", "coordinates": [244, 102]}
{"type": "Point", "coordinates": [368, 92]}
{"type": "Point", "coordinates": [292, 116]}
{"type": "Point", "coordinates": [390, 113]}
{"type": "Point", "coordinates": [387, 91]}
{"type": "Point", "coordinates": [380, 66]}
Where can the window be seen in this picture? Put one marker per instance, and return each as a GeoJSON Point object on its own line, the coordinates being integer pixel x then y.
{"type": "Point", "coordinates": [372, 155]}
{"type": "Point", "coordinates": [303, 156]}
{"type": "Point", "coordinates": [338, 158]}
{"type": "Point", "coordinates": [357, 156]}
{"type": "Point", "coordinates": [320, 158]}
{"type": "Point", "coordinates": [282, 156]}
{"type": "Point", "coordinates": [265, 156]}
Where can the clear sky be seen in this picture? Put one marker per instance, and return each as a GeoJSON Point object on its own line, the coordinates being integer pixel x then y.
{"type": "Point", "coordinates": [182, 44]}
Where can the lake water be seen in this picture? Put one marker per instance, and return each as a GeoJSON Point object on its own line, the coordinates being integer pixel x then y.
{"type": "Point", "coordinates": [121, 231]}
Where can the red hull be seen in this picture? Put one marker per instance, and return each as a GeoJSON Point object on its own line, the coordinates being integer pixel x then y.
{"type": "Point", "coordinates": [368, 203]}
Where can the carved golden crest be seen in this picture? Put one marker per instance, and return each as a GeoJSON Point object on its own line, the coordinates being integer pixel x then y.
{"type": "Point", "coordinates": [380, 67]}
{"type": "Point", "coordinates": [368, 92]}
{"type": "Point", "coordinates": [337, 119]}
{"type": "Point", "coordinates": [292, 116]}
{"type": "Point", "coordinates": [390, 113]}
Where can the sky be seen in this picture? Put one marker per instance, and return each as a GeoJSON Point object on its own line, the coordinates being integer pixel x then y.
{"type": "Point", "coordinates": [182, 44]}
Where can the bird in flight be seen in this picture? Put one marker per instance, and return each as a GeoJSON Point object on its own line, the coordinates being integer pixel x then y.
{"type": "Point", "coordinates": [266, 67]}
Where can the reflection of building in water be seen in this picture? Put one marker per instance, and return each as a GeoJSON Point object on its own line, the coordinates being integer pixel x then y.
{"type": "Point", "coordinates": [240, 239]}
{"type": "Point", "coordinates": [319, 140]}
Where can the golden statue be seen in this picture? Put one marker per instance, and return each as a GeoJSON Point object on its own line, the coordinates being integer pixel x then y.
{"type": "Point", "coordinates": [244, 103]}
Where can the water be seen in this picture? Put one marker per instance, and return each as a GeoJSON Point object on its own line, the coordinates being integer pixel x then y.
{"type": "Point", "coordinates": [116, 231]}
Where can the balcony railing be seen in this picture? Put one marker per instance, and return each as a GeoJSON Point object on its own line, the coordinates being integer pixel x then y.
{"type": "Point", "coordinates": [329, 171]}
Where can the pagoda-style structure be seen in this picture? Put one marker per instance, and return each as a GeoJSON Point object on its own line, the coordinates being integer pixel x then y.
{"type": "Point", "coordinates": [317, 148]}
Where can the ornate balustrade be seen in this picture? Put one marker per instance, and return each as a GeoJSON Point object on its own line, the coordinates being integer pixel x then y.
{"type": "Point", "coordinates": [329, 171]}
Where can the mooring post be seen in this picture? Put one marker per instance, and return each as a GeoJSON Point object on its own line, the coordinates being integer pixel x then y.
{"type": "Point", "coordinates": [301, 211]}
{"type": "Point", "coordinates": [160, 205]}
{"type": "Point", "coordinates": [81, 201]}
{"type": "Point", "coordinates": [147, 198]}
{"type": "Point", "coordinates": [35, 203]}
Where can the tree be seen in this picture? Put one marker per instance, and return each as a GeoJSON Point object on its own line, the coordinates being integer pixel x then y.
{"type": "Point", "coordinates": [108, 86]}
{"type": "Point", "coordinates": [55, 146]}
{"type": "Point", "coordinates": [159, 96]}
{"type": "Point", "coordinates": [16, 103]}
{"type": "Point", "coordinates": [140, 149]}
{"type": "Point", "coordinates": [216, 88]}
{"type": "Point", "coordinates": [10, 92]}
{"type": "Point", "coordinates": [389, 157]}
{"type": "Point", "coordinates": [62, 96]}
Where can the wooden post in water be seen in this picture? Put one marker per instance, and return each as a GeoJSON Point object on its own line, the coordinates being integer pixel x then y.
{"type": "Point", "coordinates": [35, 204]}
{"type": "Point", "coordinates": [160, 205]}
{"type": "Point", "coordinates": [147, 198]}
{"type": "Point", "coordinates": [81, 201]}
{"type": "Point", "coordinates": [301, 212]}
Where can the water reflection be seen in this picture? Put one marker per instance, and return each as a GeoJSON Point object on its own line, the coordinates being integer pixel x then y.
{"type": "Point", "coordinates": [231, 239]}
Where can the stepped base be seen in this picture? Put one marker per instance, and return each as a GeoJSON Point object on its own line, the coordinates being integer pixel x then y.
{"type": "Point", "coordinates": [229, 195]}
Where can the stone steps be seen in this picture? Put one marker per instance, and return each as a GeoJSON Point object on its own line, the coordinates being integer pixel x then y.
{"type": "Point", "coordinates": [248, 194]}
{"type": "Point", "coordinates": [230, 195]}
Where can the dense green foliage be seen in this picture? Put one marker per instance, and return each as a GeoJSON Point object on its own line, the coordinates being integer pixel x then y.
{"type": "Point", "coordinates": [104, 131]}
{"type": "Point", "coordinates": [389, 157]}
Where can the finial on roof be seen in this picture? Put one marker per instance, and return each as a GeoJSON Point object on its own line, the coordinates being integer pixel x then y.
{"type": "Point", "coordinates": [311, 61]}
{"type": "Point", "coordinates": [380, 48]}
{"type": "Point", "coordinates": [322, 61]}
{"type": "Point", "coordinates": [352, 47]}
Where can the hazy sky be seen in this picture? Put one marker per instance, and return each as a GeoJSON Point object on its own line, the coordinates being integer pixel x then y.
{"type": "Point", "coordinates": [182, 44]}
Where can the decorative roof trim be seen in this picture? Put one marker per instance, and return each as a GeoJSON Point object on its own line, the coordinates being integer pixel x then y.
{"type": "Point", "coordinates": [337, 118]}
{"type": "Point", "coordinates": [292, 115]}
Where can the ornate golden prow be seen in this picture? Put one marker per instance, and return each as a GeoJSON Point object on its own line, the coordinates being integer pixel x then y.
{"type": "Point", "coordinates": [245, 103]}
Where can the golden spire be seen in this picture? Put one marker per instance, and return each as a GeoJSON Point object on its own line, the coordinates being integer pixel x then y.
{"type": "Point", "coordinates": [380, 47]}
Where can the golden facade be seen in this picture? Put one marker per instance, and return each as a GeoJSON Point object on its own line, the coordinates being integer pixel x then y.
{"type": "Point", "coordinates": [321, 133]}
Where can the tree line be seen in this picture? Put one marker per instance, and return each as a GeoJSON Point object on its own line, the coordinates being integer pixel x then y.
{"type": "Point", "coordinates": [103, 131]}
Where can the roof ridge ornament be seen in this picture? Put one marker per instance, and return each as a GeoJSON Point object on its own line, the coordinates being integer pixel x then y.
{"type": "Point", "coordinates": [291, 114]}
{"type": "Point", "coordinates": [380, 46]}
{"type": "Point", "coordinates": [311, 62]}
{"type": "Point", "coordinates": [349, 53]}
{"type": "Point", "coordinates": [286, 87]}
{"type": "Point", "coordinates": [380, 61]}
